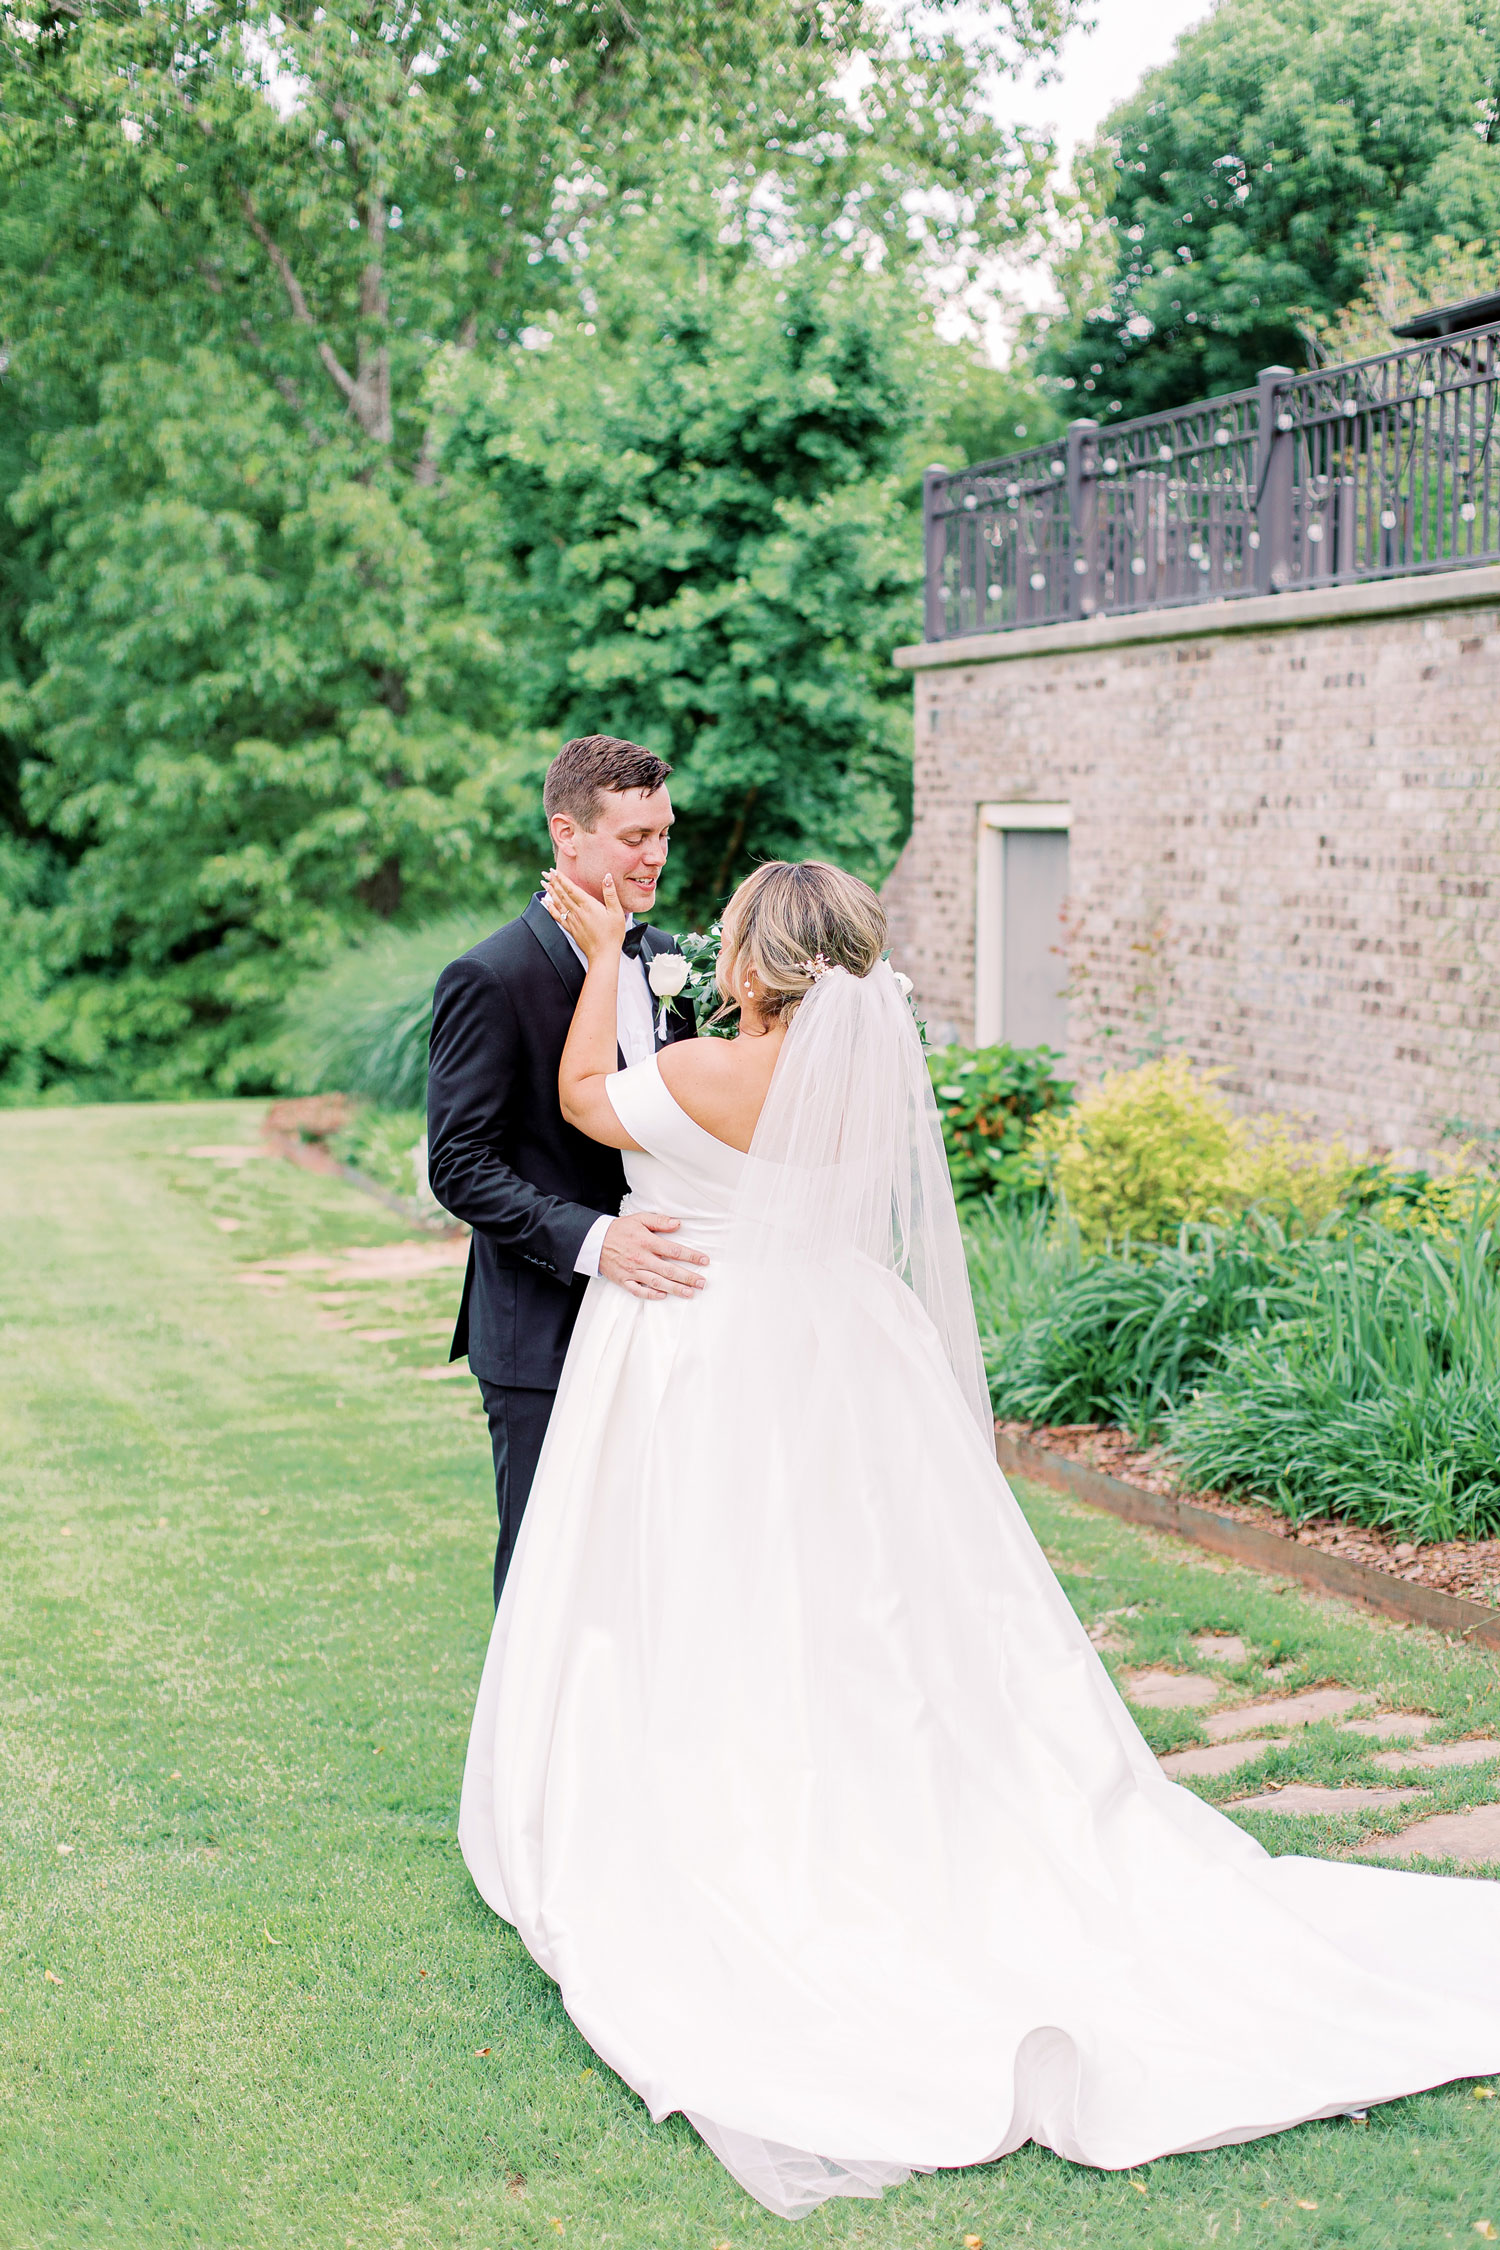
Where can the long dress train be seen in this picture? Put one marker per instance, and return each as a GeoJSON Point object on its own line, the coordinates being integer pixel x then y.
{"type": "Point", "coordinates": [792, 1765]}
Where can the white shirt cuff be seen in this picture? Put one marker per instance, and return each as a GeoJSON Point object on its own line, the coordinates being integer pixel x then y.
{"type": "Point", "coordinates": [587, 1260]}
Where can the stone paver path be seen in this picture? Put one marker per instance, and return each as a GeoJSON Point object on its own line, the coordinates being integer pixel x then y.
{"type": "Point", "coordinates": [1471, 1753]}
{"type": "Point", "coordinates": [1471, 1836]}
{"type": "Point", "coordinates": [375, 1261]}
{"type": "Point", "coordinates": [1307, 1797]}
{"type": "Point", "coordinates": [1391, 1726]}
{"type": "Point", "coordinates": [1221, 1757]}
{"type": "Point", "coordinates": [1170, 1691]}
{"type": "Point", "coordinates": [1285, 1711]}
{"type": "Point", "coordinates": [1221, 1648]}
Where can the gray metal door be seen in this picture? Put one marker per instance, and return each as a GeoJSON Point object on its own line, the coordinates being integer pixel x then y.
{"type": "Point", "coordinates": [1033, 1010]}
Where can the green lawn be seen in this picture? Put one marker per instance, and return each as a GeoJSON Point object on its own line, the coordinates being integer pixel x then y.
{"type": "Point", "coordinates": [250, 1997]}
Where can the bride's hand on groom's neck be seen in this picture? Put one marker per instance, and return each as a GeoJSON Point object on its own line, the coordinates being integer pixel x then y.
{"type": "Point", "coordinates": [596, 926]}
{"type": "Point", "coordinates": [591, 1051]}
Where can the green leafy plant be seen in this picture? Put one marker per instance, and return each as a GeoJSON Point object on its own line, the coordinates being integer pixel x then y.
{"type": "Point", "coordinates": [700, 950]}
{"type": "Point", "coordinates": [387, 1146]}
{"type": "Point", "coordinates": [988, 1100]}
{"type": "Point", "coordinates": [1350, 1371]}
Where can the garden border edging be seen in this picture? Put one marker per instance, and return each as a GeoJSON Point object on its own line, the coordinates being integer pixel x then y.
{"type": "Point", "coordinates": [312, 1156]}
{"type": "Point", "coordinates": [1245, 1543]}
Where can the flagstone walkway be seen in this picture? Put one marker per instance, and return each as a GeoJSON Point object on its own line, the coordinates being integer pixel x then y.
{"type": "Point", "coordinates": [1241, 1734]}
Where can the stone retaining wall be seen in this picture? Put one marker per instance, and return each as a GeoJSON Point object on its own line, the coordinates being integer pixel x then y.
{"type": "Point", "coordinates": [1285, 841]}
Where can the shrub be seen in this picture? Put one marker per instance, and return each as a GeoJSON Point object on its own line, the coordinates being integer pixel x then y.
{"type": "Point", "coordinates": [361, 1025]}
{"type": "Point", "coordinates": [1380, 1400]}
{"type": "Point", "coordinates": [1147, 1151]}
{"type": "Point", "coordinates": [1353, 1371]}
{"type": "Point", "coordinates": [1443, 1203]}
{"type": "Point", "coordinates": [988, 1099]}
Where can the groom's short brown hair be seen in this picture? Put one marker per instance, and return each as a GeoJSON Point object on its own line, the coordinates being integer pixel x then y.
{"type": "Point", "coordinates": [595, 762]}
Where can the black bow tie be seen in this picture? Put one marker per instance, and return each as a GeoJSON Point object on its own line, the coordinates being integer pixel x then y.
{"type": "Point", "coordinates": [634, 938]}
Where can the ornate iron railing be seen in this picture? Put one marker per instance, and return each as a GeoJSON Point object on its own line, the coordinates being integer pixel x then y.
{"type": "Point", "coordinates": [1376, 470]}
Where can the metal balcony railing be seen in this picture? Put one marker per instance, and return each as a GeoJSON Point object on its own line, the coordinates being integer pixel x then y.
{"type": "Point", "coordinates": [1376, 470]}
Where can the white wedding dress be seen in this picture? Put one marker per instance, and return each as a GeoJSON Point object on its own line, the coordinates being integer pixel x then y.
{"type": "Point", "coordinates": [792, 1765]}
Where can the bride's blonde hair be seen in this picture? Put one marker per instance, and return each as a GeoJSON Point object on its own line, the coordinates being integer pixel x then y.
{"type": "Point", "coordinates": [788, 922]}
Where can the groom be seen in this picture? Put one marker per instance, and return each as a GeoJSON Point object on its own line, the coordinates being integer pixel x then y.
{"type": "Point", "coordinates": [541, 1199]}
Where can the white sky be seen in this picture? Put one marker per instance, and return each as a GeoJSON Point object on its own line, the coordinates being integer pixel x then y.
{"type": "Point", "coordinates": [1098, 68]}
{"type": "Point", "coordinates": [1095, 69]}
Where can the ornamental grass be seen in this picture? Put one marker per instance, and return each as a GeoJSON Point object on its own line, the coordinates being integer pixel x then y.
{"type": "Point", "coordinates": [1353, 1370]}
{"type": "Point", "coordinates": [1379, 1401]}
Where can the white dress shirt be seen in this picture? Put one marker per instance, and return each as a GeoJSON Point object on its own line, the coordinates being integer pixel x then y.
{"type": "Point", "coordinates": [636, 1034]}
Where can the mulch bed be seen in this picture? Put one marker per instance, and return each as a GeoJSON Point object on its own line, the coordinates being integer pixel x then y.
{"type": "Point", "coordinates": [1469, 1568]}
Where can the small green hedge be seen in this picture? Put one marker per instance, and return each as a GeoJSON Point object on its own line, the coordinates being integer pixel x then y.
{"type": "Point", "coordinates": [1143, 1152]}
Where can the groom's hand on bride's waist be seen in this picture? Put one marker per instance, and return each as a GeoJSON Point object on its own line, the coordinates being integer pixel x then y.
{"type": "Point", "coordinates": [639, 1254]}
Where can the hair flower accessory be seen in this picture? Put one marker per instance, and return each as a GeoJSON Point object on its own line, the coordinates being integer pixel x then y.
{"type": "Point", "coordinates": [816, 967]}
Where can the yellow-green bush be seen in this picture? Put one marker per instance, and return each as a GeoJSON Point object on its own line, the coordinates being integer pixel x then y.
{"type": "Point", "coordinates": [1146, 1150]}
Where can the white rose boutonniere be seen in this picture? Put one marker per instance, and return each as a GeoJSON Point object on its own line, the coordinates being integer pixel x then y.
{"type": "Point", "coordinates": [667, 975]}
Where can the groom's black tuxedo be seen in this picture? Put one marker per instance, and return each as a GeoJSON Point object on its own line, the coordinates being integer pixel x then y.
{"type": "Point", "coordinates": [501, 1157]}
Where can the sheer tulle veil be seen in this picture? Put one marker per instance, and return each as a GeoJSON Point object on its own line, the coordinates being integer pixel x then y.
{"type": "Point", "coordinates": [847, 1160]}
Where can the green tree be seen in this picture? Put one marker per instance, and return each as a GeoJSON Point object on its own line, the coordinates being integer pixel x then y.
{"type": "Point", "coordinates": [264, 713]}
{"type": "Point", "coordinates": [1234, 194]}
{"type": "Point", "coordinates": [250, 694]}
{"type": "Point", "coordinates": [701, 534]}
{"type": "Point", "coordinates": [1400, 280]}
{"type": "Point", "coordinates": [329, 195]}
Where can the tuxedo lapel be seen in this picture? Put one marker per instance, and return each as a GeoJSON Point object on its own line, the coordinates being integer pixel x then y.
{"type": "Point", "coordinates": [556, 947]}
{"type": "Point", "coordinates": [570, 969]}
{"type": "Point", "coordinates": [653, 942]}
{"type": "Point", "coordinates": [561, 954]}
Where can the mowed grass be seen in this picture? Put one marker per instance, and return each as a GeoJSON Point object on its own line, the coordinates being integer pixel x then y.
{"type": "Point", "coordinates": [249, 1996]}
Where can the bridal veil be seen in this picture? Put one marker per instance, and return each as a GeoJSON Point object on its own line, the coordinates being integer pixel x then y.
{"type": "Point", "coordinates": [848, 1160]}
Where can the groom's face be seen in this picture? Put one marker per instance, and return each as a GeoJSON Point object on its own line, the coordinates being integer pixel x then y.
{"type": "Point", "coordinates": [628, 840]}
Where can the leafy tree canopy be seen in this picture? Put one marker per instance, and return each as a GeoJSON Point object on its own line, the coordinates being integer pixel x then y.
{"type": "Point", "coordinates": [1235, 194]}
{"type": "Point", "coordinates": [268, 672]}
{"type": "Point", "coordinates": [333, 191]}
{"type": "Point", "coordinates": [696, 526]}
{"type": "Point", "coordinates": [263, 709]}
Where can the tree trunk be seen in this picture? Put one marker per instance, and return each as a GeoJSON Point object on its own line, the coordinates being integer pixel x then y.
{"type": "Point", "coordinates": [370, 400]}
{"type": "Point", "coordinates": [381, 891]}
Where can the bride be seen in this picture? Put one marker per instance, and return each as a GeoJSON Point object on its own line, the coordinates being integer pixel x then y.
{"type": "Point", "coordinates": [791, 1763]}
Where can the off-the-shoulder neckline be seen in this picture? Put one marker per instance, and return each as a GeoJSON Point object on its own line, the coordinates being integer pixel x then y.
{"type": "Point", "coordinates": [654, 1063]}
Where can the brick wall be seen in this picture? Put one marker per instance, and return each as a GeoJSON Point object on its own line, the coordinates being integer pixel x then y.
{"type": "Point", "coordinates": [1285, 855]}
